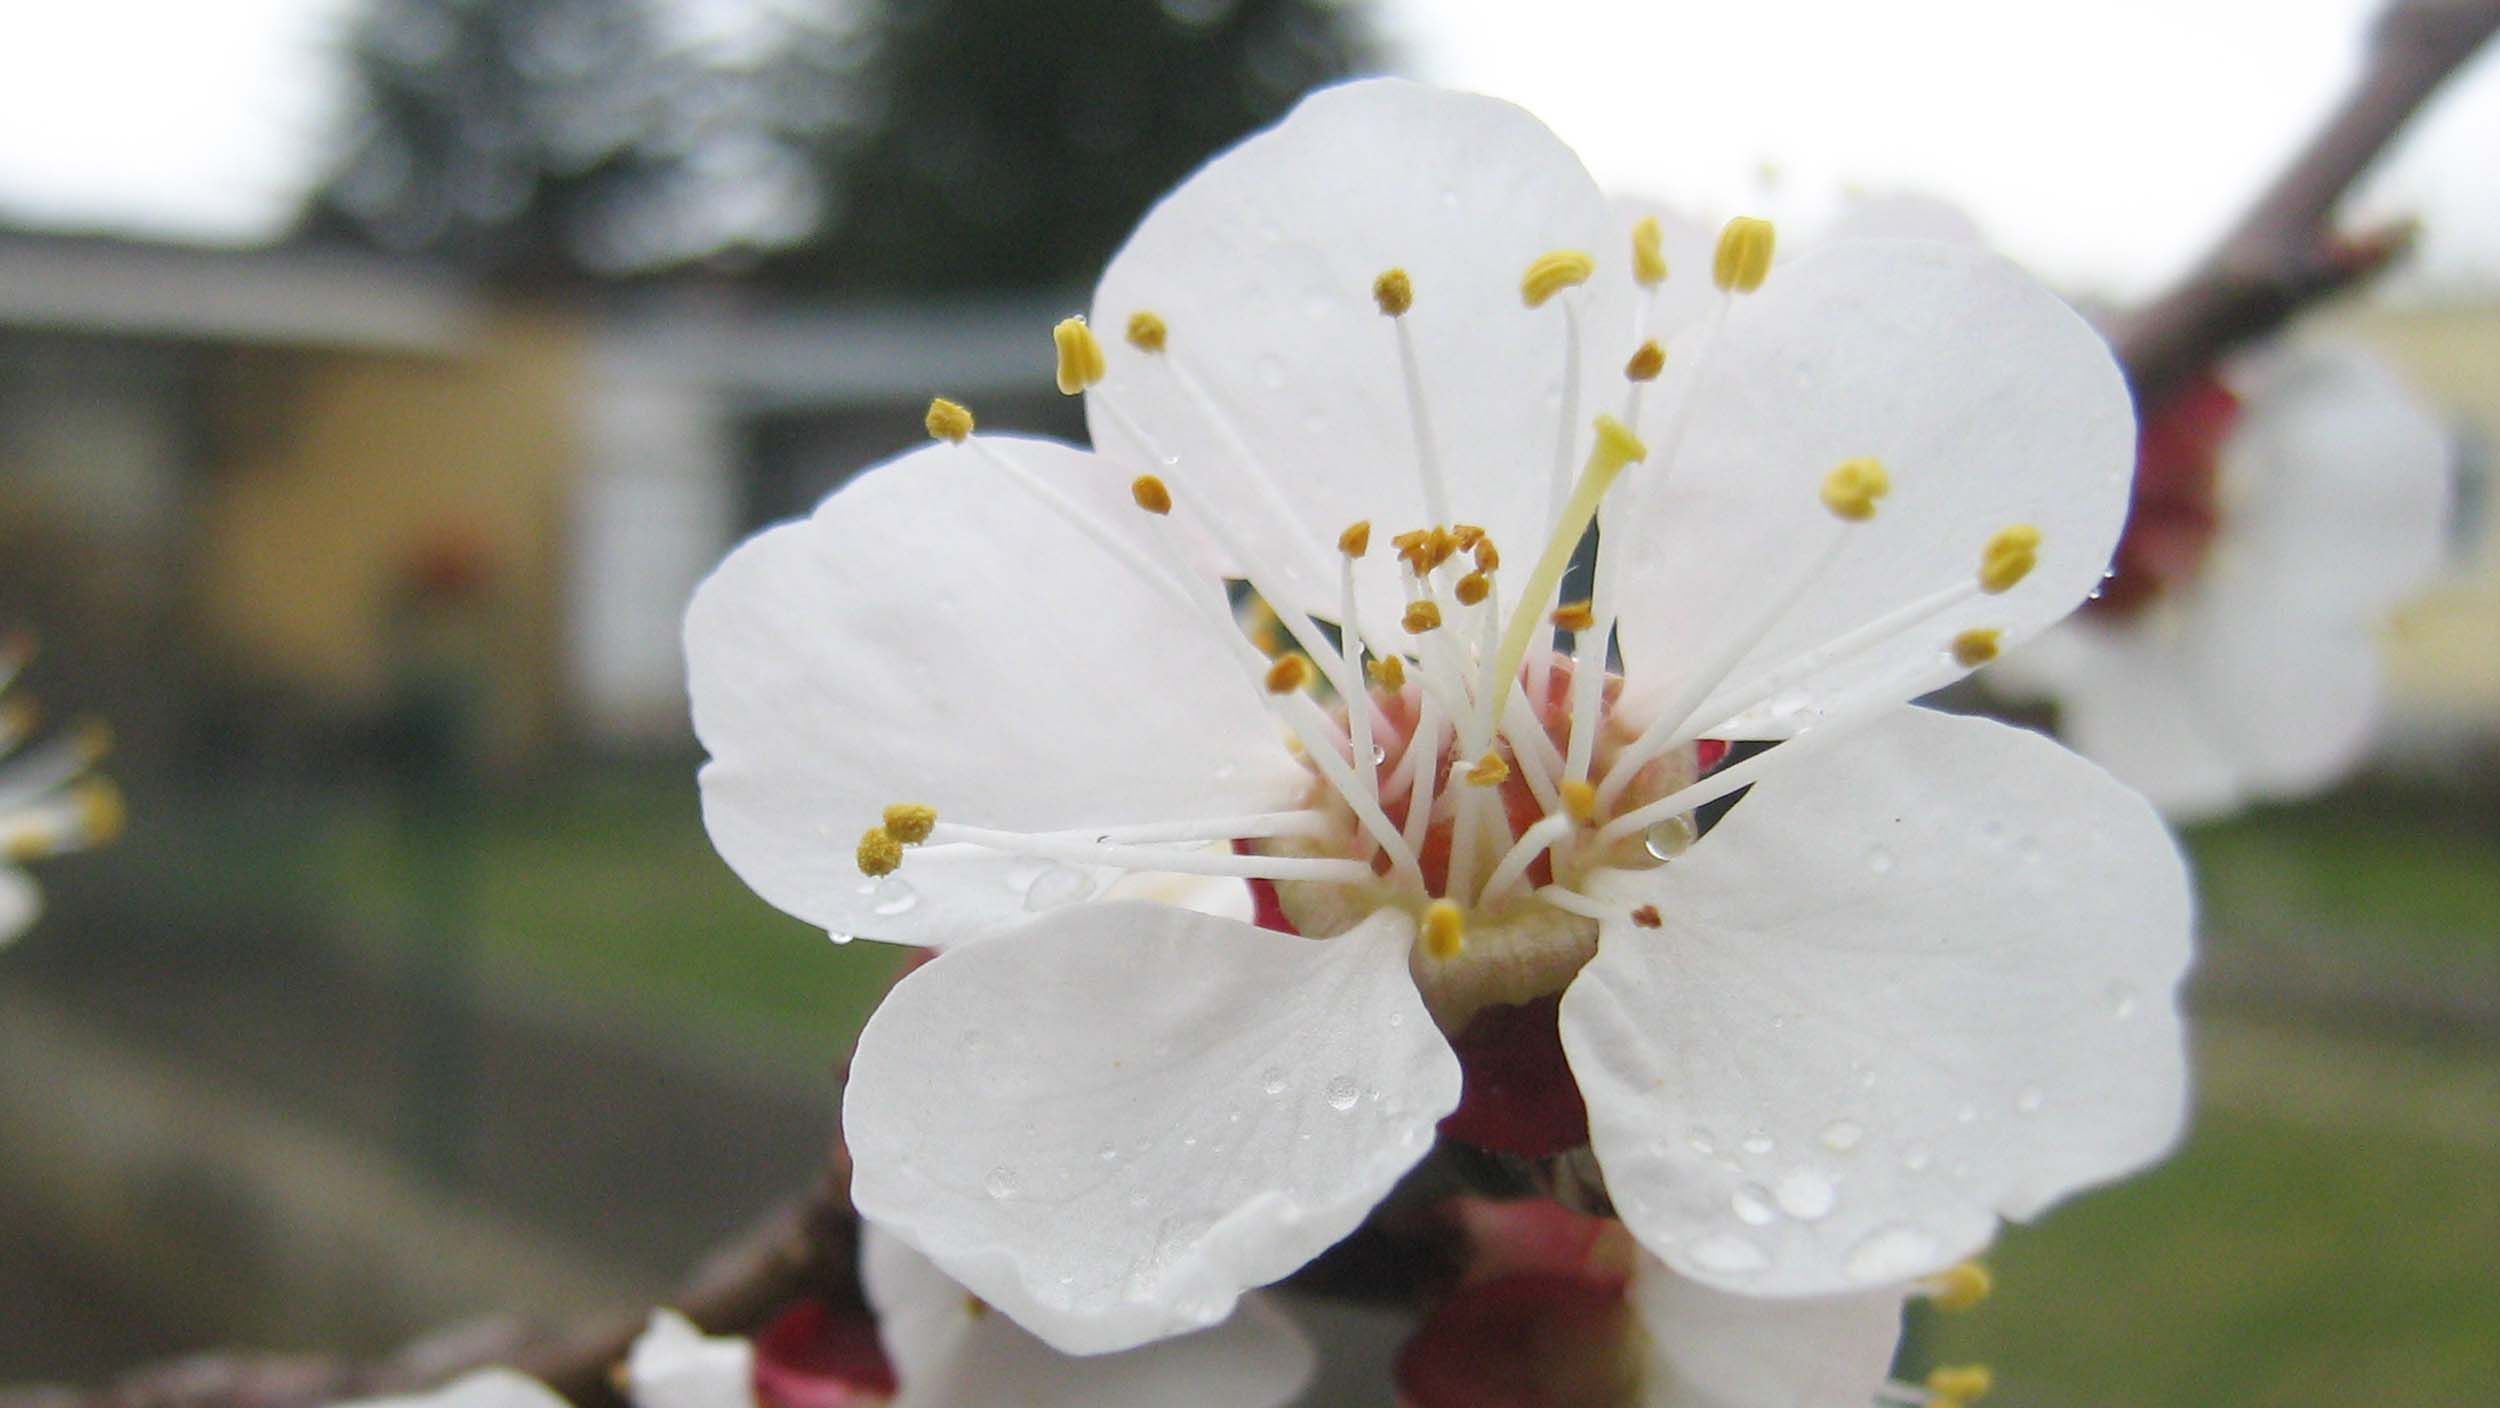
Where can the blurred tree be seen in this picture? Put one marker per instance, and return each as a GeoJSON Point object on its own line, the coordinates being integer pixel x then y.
{"type": "Point", "coordinates": [1012, 143]}
{"type": "Point", "coordinates": [516, 138]}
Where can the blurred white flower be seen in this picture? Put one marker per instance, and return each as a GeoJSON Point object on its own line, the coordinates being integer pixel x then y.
{"type": "Point", "coordinates": [48, 803]}
{"type": "Point", "coordinates": [2281, 512]}
{"type": "Point", "coordinates": [486, 1388]}
{"type": "Point", "coordinates": [1921, 976]}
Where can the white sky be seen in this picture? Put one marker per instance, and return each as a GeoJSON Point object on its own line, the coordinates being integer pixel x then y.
{"type": "Point", "coordinates": [2100, 140]}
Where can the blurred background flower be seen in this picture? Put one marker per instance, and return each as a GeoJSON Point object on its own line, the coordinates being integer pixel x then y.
{"type": "Point", "coordinates": [377, 377]}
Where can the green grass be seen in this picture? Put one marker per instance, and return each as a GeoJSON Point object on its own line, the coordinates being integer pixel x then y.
{"type": "Point", "coordinates": [2326, 1236]}
{"type": "Point", "coordinates": [608, 893]}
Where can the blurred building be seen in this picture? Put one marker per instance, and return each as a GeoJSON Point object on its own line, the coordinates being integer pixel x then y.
{"type": "Point", "coordinates": [262, 478]}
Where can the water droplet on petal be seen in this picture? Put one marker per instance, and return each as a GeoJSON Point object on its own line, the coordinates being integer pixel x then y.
{"type": "Point", "coordinates": [1108, 1153]}
{"type": "Point", "coordinates": [894, 895]}
{"type": "Point", "coordinates": [1917, 1157]}
{"type": "Point", "coordinates": [2123, 1000]}
{"type": "Point", "coordinates": [2028, 1101]}
{"type": "Point", "coordinates": [1968, 1114]}
{"type": "Point", "coordinates": [1806, 1195]}
{"type": "Point", "coordinates": [1727, 1252]}
{"type": "Point", "coordinates": [1397, 1019]}
{"type": "Point", "coordinates": [1668, 839]}
{"type": "Point", "coordinates": [1758, 1143]}
{"type": "Point", "coordinates": [1751, 1205]}
{"type": "Point", "coordinates": [1342, 1093]}
{"type": "Point", "coordinates": [1879, 860]}
{"type": "Point", "coordinates": [1703, 1141]}
{"type": "Point", "coordinates": [1841, 1136]}
{"type": "Point", "coordinates": [838, 936]}
{"type": "Point", "coordinates": [1002, 1182]}
{"type": "Point", "coordinates": [1057, 885]}
{"type": "Point", "coordinates": [1890, 1253]}
{"type": "Point", "coordinates": [1272, 1080]}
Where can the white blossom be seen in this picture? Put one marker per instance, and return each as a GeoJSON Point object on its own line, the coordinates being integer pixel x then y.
{"type": "Point", "coordinates": [1920, 977]}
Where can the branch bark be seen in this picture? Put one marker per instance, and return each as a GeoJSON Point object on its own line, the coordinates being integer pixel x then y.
{"type": "Point", "coordinates": [2285, 254]}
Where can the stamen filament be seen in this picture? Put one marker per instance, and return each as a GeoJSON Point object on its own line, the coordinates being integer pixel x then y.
{"type": "Point", "coordinates": [1616, 448]}
{"type": "Point", "coordinates": [1901, 620]}
{"type": "Point", "coordinates": [1571, 901]}
{"type": "Point", "coordinates": [1736, 776]}
{"type": "Point", "coordinates": [1427, 459]}
{"type": "Point", "coordinates": [1085, 521]}
{"type": "Point", "coordinates": [1523, 853]}
{"type": "Point", "coordinates": [1175, 859]}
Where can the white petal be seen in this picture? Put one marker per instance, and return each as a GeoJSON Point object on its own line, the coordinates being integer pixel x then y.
{"type": "Point", "coordinates": [21, 903]}
{"type": "Point", "coordinates": [1713, 1349]}
{"type": "Point", "coordinates": [486, 1388]}
{"type": "Point", "coordinates": [2130, 698]}
{"type": "Point", "coordinates": [1219, 895]}
{"type": "Point", "coordinates": [1990, 403]}
{"type": "Point", "coordinates": [675, 1365]}
{"type": "Point", "coordinates": [935, 634]}
{"type": "Point", "coordinates": [949, 1350]}
{"type": "Point", "coordinates": [1925, 979]}
{"type": "Point", "coordinates": [1902, 215]}
{"type": "Point", "coordinates": [1113, 1121]}
{"type": "Point", "coordinates": [2336, 482]}
{"type": "Point", "coordinates": [1262, 266]}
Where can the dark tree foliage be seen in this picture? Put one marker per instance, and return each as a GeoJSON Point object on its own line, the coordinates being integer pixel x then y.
{"type": "Point", "coordinates": [523, 139]}
{"type": "Point", "coordinates": [1013, 143]}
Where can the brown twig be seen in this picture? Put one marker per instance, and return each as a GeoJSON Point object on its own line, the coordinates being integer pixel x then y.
{"type": "Point", "coordinates": [2285, 253]}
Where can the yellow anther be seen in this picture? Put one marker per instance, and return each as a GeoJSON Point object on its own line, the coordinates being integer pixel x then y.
{"type": "Point", "coordinates": [1445, 930]}
{"type": "Point", "coordinates": [1852, 488]}
{"type": "Point", "coordinates": [1744, 256]}
{"type": "Point", "coordinates": [1489, 771]}
{"type": "Point", "coordinates": [1421, 616]}
{"type": "Point", "coordinates": [879, 852]}
{"type": "Point", "coordinates": [101, 811]}
{"type": "Point", "coordinates": [1150, 494]}
{"type": "Point", "coordinates": [1647, 916]}
{"type": "Point", "coordinates": [26, 845]}
{"type": "Point", "coordinates": [948, 420]}
{"type": "Point", "coordinates": [1146, 331]}
{"type": "Point", "coordinates": [1616, 447]}
{"type": "Point", "coordinates": [1574, 616]}
{"type": "Point", "coordinates": [1648, 360]}
{"type": "Point", "coordinates": [1649, 252]}
{"type": "Point", "coordinates": [1442, 545]}
{"type": "Point", "coordinates": [2009, 557]}
{"type": "Point", "coordinates": [1488, 557]}
{"type": "Point", "coordinates": [910, 822]}
{"type": "Point", "coordinates": [1958, 1385]}
{"type": "Point", "coordinates": [1080, 355]}
{"type": "Point", "coordinates": [1977, 646]}
{"type": "Point", "coordinates": [1394, 292]}
{"type": "Point", "coordinates": [1389, 672]}
{"type": "Point", "coordinates": [1356, 540]}
{"type": "Point", "coordinates": [1579, 800]}
{"type": "Point", "coordinates": [974, 1306]}
{"type": "Point", "coordinates": [1289, 674]}
{"type": "Point", "coordinates": [1960, 1286]}
{"type": "Point", "coordinates": [1552, 273]}
{"type": "Point", "coordinates": [1473, 588]}
{"type": "Point", "coordinates": [1466, 536]}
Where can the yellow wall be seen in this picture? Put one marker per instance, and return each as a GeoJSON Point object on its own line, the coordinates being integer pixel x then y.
{"type": "Point", "coordinates": [341, 465]}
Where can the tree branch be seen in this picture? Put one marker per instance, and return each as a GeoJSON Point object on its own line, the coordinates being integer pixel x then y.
{"type": "Point", "coordinates": [2284, 254]}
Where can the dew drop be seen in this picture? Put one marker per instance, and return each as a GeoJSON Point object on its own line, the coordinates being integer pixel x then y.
{"type": "Point", "coordinates": [1703, 1141]}
{"type": "Point", "coordinates": [894, 895]}
{"type": "Point", "coordinates": [2123, 1000]}
{"type": "Point", "coordinates": [1751, 1205]}
{"type": "Point", "coordinates": [1396, 1020]}
{"type": "Point", "coordinates": [1108, 1153]}
{"type": "Point", "coordinates": [1057, 885]}
{"type": "Point", "coordinates": [1272, 1080]}
{"type": "Point", "coordinates": [1667, 839]}
{"type": "Point", "coordinates": [1806, 1195]}
{"type": "Point", "coordinates": [2027, 1102]}
{"type": "Point", "coordinates": [1342, 1093]}
{"type": "Point", "coordinates": [838, 936]}
{"type": "Point", "coordinates": [1758, 1143]}
{"type": "Point", "coordinates": [1968, 1114]}
{"type": "Point", "coordinates": [1449, 199]}
{"type": "Point", "coordinates": [1727, 1252]}
{"type": "Point", "coordinates": [1879, 860]}
{"type": "Point", "coordinates": [1789, 705]}
{"type": "Point", "coordinates": [1890, 1253]}
{"type": "Point", "coordinates": [1917, 1158]}
{"type": "Point", "coordinates": [1001, 1183]}
{"type": "Point", "coordinates": [1842, 1136]}
{"type": "Point", "coordinates": [1380, 754]}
